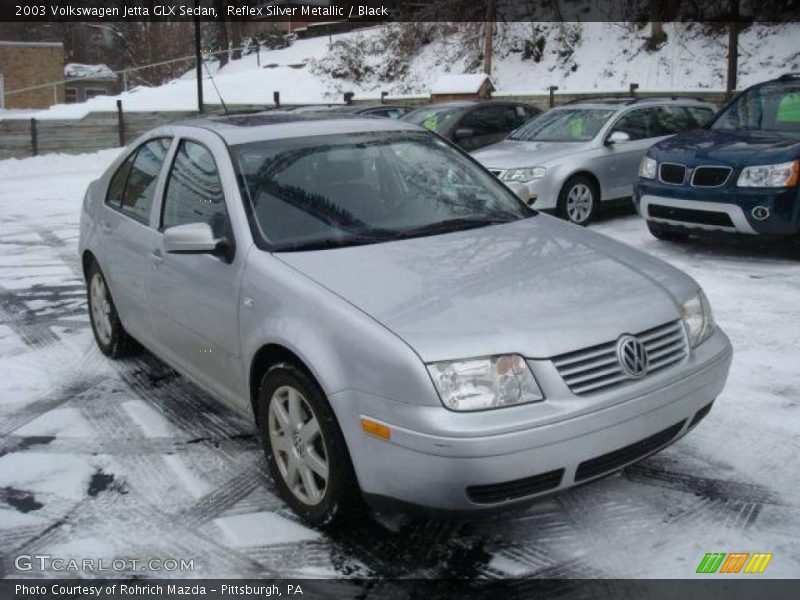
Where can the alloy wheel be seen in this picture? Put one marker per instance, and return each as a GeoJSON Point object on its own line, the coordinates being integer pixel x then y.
{"type": "Point", "coordinates": [298, 445]}
{"type": "Point", "coordinates": [580, 202]}
{"type": "Point", "coordinates": [101, 308]}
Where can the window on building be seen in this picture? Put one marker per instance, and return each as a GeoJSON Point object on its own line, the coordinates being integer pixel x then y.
{"type": "Point", "coordinates": [70, 95]}
{"type": "Point", "coordinates": [93, 92]}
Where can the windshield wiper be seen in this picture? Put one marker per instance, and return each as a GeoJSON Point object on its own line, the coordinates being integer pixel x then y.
{"type": "Point", "coordinates": [450, 225]}
{"type": "Point", "coordinates": [328, 243]}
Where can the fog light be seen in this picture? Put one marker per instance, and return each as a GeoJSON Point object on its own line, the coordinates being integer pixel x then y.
{"type": "Point", "coordinates": [760, 213]}
{"type": "Point", "coordinates": [377, 429]}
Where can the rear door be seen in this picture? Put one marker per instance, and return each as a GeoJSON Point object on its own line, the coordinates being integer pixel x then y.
{"type": "Point", "coordinates": [126, 226]}
{"type": "Point", "coordinates": [194, 298]}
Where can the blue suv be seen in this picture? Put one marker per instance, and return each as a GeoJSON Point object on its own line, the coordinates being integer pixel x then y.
{"type": "Point", "coordinates": [738, 174]}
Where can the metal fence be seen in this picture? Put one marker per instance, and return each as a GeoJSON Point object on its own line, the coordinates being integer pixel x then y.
{"type": "Point", "coordinates": [20, 138]}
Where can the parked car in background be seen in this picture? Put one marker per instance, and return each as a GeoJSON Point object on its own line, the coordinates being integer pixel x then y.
{"type": "Point", "coordinates": [473, 124]}
{"type": "Point", "coordinates": [400, 326]}
{"type": "Point", "coordinates": [739, 175]}
{"type": "Point", "coordinates": [576, 156]}
{"type": "Point", "coordinates": [391, 111]}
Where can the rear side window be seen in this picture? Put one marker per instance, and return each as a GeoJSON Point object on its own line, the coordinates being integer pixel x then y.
{"type": "Point", "coordinates": [194, 191]}
{"type": "Point", "coordinates": [673, 119]}
{"type": "Point", "coordinates": [142, 179]}
{"type": "Point", "coordinates": [116, 189]}
{"type": "Point", "coordinates": [487, 120]}
{"type": "Point", "coordinates": [700, 114]}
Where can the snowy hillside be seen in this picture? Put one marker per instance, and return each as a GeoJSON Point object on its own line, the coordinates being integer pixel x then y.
{"type": "Point", "coordinates": [582, 57]}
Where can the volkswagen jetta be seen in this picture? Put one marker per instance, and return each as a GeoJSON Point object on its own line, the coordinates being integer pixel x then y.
{"type": "Point", "coordinates": [402, 328]}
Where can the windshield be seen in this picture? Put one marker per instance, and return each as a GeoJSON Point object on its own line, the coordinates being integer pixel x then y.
{"type": "Point", "coordinates": [564, 125]}
{"type": "Point", "coordinates": [770, 107]}
{"type": "Point", "coordinates": [338, 190]}
{"type": "Point", "coordinates": [435, 118]}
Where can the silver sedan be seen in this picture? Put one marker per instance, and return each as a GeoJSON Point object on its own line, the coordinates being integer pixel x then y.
{"type": "Point", "coordinates": [574, 157]}
{"type": "Point", "coordinates": [399, 325]}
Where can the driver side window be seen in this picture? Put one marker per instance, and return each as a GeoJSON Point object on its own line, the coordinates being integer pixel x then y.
{"type": "Point", "coordinates": [194, 191]}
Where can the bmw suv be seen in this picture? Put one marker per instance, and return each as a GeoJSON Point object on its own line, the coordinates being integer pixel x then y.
{"type": "Point", "coordinates": [738, 175]}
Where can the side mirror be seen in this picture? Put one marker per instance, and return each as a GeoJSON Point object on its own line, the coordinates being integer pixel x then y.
{"type": "Point", "coordinates": [192, 238]}
{"type": "Point", "coordinates": [520, 191]}
{"type": "Point", "coordinates": [464, 132]}
{"type": "Point", "coordinates": [618, 137]}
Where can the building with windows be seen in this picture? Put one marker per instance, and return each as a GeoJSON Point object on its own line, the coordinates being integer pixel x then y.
{"type": "Point", "coordinates": [84, 82]}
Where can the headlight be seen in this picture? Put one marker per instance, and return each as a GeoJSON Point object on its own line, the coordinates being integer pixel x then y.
{"type": "Point", "coordinates": [481, 383]}
{"type": "Point", "coordinates": [648, 168]}
{"type": "Point", "coordinates": [780, 175]}
{"type": "Point", "coordinates": [524, 174]}
{"type": "Point", "coordinates": [697, 319]}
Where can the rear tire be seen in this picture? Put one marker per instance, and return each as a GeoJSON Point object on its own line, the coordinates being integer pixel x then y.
{"type": "Point", "coordinates": [110, 335]}
{"type": "Point", "coordinates": [579, 200]}
{"type": "Point", "coordinates": [666, 233]}
{"type": "Point", "coordinates": [305, 449]}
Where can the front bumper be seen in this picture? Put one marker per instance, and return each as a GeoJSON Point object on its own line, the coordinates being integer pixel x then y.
{"type": "Point", "coordinates": [542, 192]}
{"type": "Point", "coordinates": [458, 468]}
{"type": "Point", "coordinates": [727, 210]}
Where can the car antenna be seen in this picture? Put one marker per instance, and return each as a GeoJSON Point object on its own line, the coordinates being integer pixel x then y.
{"type": "Point", "coordinates": [216, 89]}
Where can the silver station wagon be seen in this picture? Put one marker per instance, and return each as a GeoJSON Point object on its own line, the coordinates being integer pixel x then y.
{"type": "Point", "coordinates": [576, 156]}
{"type": "Point", "coordinates": [402, 328]}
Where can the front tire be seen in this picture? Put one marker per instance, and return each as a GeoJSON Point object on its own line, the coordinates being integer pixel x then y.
{"type": "Point", "coordinates": [110, 335]}
{"type": "Point", "coordinates": [305, 449]}
{"type": "Point", "coordinates": [579, 200]}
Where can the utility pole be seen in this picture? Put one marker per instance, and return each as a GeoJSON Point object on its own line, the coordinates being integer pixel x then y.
{"type": "Point", "coordinates": [198, 58]}
{"type": "Point", "coordinates": [488, 39]}
{"type": "Point", "coordinates": [733, 49]}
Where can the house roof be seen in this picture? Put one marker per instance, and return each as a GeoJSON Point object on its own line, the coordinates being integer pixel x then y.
{"type": "Point", "coordinates": [466, 83]}
{"type": "Point", "coordinates": [99, 72]}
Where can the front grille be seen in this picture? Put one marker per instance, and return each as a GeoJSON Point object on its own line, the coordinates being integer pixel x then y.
{"type": "Point", "coordinates": [518, 488]}
{"type": "Point", "coordinates": [710, 176]}
{"type": "Point", "coordinates": [672, 173]}
{"type": "Point", "coordinates": [690, 215]}
{"type": "Point", "coordinates": [619, 458]}
{"type": "Point", "coordinates": [597, 368]}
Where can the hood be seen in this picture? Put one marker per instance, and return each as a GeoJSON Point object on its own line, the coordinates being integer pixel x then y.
{"type": "Point", "coordinates": [732, 148]}
{"type": "Point", "coordinates": [510, 154]}
{"type": "Point", "coordinates": [537, 287]}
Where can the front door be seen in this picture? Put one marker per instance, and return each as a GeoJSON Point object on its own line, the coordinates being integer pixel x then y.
{"type": "Point", "coordinates": [621, 160]}
{"type": "Point", "coordinates": [194, 298]}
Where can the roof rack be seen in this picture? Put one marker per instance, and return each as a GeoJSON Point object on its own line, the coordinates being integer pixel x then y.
{"type": "Point", "coordinates": [634, 99]}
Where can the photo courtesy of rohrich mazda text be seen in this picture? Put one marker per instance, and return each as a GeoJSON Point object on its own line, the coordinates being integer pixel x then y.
{"type": "Point", "coordinates": [298, 268]}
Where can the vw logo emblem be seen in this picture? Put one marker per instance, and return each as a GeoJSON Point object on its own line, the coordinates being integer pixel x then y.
{"type": "Point", "coordinates": [632, 356]}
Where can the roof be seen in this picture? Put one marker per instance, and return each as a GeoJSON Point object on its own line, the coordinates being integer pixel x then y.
{"type": "Point", "coordinates": [99, 72]}
{"type": "Point", "coordinates": [39, 44]}
{"type": "Point", "coordinates": [262, 126]}
{"type": "Point", "coordinates": [466, 83]}
{"type": "Point", "coordinates": [618, 101]}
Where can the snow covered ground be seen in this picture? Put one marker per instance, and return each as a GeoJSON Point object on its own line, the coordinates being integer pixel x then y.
{"type": "Point", "coordinates": [126, 459]}
{"type": "Point", "coordinates": [597, 57]}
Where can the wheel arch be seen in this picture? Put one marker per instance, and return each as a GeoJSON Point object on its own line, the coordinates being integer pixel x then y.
{"type": "Point", "coordinates": [583, 172]}
{"type": "Point", "coordinates": [265, 357]}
